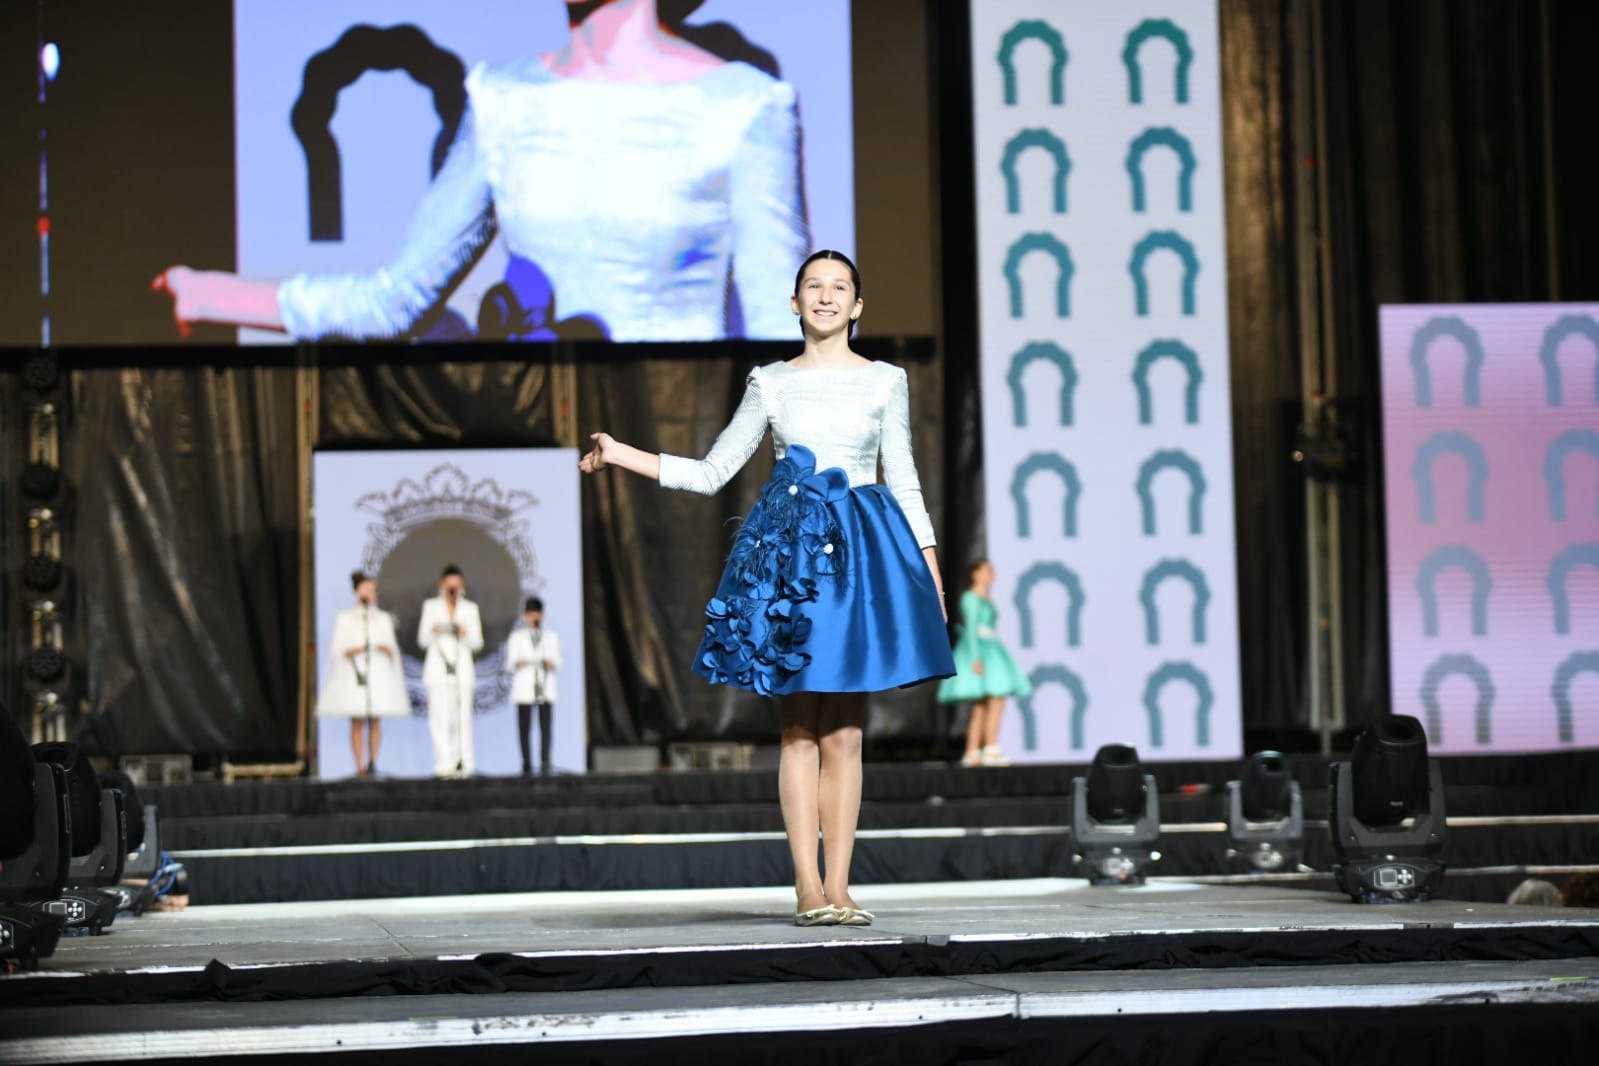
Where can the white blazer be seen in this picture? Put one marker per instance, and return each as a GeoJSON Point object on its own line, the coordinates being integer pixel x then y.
{"type": "Point", "coordinates": [445, 648]}
{"type": "Point", "coordinates": [383, 694]}
{"type": "Point", "coordinates": [535, 649]}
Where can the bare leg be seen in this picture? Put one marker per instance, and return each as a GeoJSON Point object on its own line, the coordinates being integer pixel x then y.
{"type": "Point", "coordinates": [974, 729]}
{"type": "Point", "coordinates": [996, 707]}
{"type": "Point", "coordinates": [357, 747]}
{"type": "Point", "coordinates": [797, 771]}
{"type": "Point", "coordinates": [843, 715]}
{"type": "Point", "coordinates": [375, 729]}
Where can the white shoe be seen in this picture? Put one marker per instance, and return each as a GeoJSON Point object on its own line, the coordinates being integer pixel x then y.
{"type": "Point", "coordinates": [972, 758]}
{"type": "Point", "coordinates": [994, 757]}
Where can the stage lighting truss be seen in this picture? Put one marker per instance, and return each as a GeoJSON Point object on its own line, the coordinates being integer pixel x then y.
{"type": "Point", "coordinates": [42, 571]}
{"type": "Point", "coordinates": [49, 712]}
{"type": "Point", "coordinates": [1115, 853]}
{"type": "Point", "coordinates": [41, 372]}
{"type": "Point", "coordinates": [46, 660]}
{"type": "Point", "coordinates": [1398, 863]}
{"type": "Point", "coordinates": [42, 477]}
{"type": "Point", "coordinates": [1268, 846]}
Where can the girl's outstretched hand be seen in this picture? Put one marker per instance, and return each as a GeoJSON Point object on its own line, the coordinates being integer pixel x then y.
{"type": "Point", "coordinates": [181, 284]}
{"type": "Point", "coordinates": [600, 456]}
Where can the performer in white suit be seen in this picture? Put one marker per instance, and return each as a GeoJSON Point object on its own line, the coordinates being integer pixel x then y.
{"type": "Point", "coordinates": [364, 681]}
{"type": "Point", "coordinates": [451, 632]}
{"type": "Point", "coordinates": [534, 655]}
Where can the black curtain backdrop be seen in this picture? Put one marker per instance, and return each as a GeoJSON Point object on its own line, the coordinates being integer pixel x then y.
{"type": "Point", "coordinates": [1459, 168]}
{"type": "Point", "coordinates": [437, 404]}
{"type": "Point", "coordinates": [1445, 184]}
{"type": "Point", "coordinates": [185, 533]}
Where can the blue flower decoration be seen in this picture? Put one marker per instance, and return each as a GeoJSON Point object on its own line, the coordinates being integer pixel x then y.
{"type": "Point", "coordinates": [755, 639]}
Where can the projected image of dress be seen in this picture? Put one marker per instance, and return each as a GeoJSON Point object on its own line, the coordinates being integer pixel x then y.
{"type": "Point", "coordinates": [641, 184]}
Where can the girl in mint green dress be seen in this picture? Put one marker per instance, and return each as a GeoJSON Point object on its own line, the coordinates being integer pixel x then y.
{"type": "Point", "coordinates": [985, 673]}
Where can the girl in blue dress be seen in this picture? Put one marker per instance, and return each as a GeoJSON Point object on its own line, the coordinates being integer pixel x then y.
{"type": "Point", "coordinates": [832, 587]}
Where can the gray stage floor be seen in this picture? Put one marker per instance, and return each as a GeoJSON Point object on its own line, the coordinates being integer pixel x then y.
{"type": "Point", "coordinates": [131, 1033]}
{"type": "Point", "coordinates": [545, 928]}
{"type": "Point", "coordinates": [445, 927]}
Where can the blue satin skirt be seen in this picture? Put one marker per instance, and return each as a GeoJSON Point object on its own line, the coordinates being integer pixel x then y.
{"type": "Point", "coordinates": [825, 590]}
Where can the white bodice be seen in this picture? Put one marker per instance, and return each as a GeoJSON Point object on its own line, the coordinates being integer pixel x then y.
{"type": "Point", "coordinates": [645, 205]}
{"type": "Point", "coordinates": [849, 417]}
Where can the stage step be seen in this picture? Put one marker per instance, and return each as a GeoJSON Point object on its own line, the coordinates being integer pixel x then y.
{"type": "Point", "coordinates": [685, 970]}
{"type": "Point", "coordinates": [873, 1012]}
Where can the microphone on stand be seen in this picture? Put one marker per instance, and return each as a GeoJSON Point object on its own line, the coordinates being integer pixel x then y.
{"type": "Point", "coordinates": [538, 664]}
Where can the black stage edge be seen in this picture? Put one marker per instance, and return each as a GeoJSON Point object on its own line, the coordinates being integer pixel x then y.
{"type": "Point", "coordinates": [1420, 1036]}
{"type": "Point", "coordinates": [1443, 1035]}
{"type": "Point", "coordinates": [1414, 940]}
{"type": "Point", "coordinates": [255, 842]}
{"type": "Point", "coordinates": [380, 353]}
{"type": "Point", "coordinates": [452, 868]}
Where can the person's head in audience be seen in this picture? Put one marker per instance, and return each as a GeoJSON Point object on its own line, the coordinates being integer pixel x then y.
{"type": "Point", "coordinates": [1536, 892]}
{"type": "Point", "coordinates": [1582, 890]}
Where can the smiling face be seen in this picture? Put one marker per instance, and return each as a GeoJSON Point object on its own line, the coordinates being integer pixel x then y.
{"type": "Point", "coordinates": [827, 301]}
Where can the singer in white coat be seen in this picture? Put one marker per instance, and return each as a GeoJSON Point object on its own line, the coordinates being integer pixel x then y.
{"type": "Point", "coordinates": [534, 655]}
{"type": "Point", "coordinates": [364, 681]}
{"type": "Point", "coordinates": [451, 632]}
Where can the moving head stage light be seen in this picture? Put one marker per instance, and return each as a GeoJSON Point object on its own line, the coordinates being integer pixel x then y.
{"type": "Point", "coordinates": [35, 848]}
{"type": "Point", "coordinates": [1387, 808]}
{"type": "Point", "coordinates": [1115, 818]}
{"type": "Point", "coordinates": [98, 832]}
{"type": "Point", "coordinates": [1265, 817]}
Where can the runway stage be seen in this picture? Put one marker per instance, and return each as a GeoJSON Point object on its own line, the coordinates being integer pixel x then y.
{"type": "Point", "coordinates": [1045, 970]}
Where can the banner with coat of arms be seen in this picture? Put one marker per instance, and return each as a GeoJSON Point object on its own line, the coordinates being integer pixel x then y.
{"type": "Point", "coordinates": [509, 519]}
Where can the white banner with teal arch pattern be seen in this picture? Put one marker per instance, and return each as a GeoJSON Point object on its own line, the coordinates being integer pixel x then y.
{"type": "Point", "coordinates": [1103, 323]}
{"type": "Point", "coordinates": [1491, 459]}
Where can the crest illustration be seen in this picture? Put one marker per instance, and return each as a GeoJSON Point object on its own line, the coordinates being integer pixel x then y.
{"type": "Point", "coordinates": [479, 524]}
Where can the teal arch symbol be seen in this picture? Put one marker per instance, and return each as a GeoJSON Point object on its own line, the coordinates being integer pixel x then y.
{"type": "Point", "coordinates": [1582, 662]}
{"type": "Point", "coordinates": [1466, 666]}
{"type": "Point", "coordinates": [1058, 572]}
{"type": "Point", "coordinates": [1165, 137]}
{"type": "Point", "coordinates": [1173, 460]}
{"type": "Point", "coordinates": [1163, 240]}
{"type": "Point", "coordinates": [1050, 245]}
{"type": "Point", "coordinates": [1182, 570]}
{"type": "Point", "coordinates": [1563, 327]}
{"type": "Point", "coordinates": [1063, 167]}
{"type": "Point", "coordinates": [1145, 31]}
{"type": "Point", "coordinates": [1457, 443]}
{"type": "Point", "coordinates": [1554, 461]}
{"type": "Point", "coordinates": [1421, 343]}
{"type": "Point", "coordinates": [1036, 463]}
{"type": "Point", "coordinates": [1050, 353]}
{"type": "Point", "coordinates": [1560, 569]}
{"type": "Point", "coordinates": [1168, 673]}
{"type": "Point", "coordinates": [1427, 586]}
{"type": "Point", "coordinates": [1036, 30]}
{"type": "Point", "coordinates": [1167, 349]}
{"type": "Point", "coordinates": [1053, 674]}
